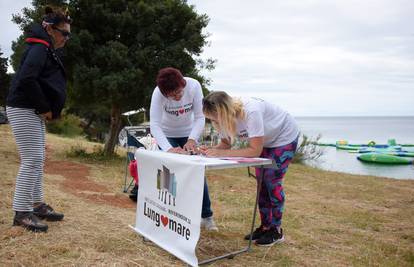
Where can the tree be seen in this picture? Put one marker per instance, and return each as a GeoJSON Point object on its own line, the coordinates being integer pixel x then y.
{"type": "Point", "coordinates": [4, 79]}
{"type": "Point", "coordinates": [117, 48]}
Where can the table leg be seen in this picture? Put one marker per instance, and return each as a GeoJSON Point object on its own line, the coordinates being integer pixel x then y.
{"type": "Point", "coordinates": [231, 255]}
{"type": "Point", "coordinates": [258, 186]}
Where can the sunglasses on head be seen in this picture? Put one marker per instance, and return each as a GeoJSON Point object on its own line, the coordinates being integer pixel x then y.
{"type": "Point", "coordinates": [63, 32]}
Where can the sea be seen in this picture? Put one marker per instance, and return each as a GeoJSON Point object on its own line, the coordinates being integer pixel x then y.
{"type": "Point", "coordinates": [359, 130]}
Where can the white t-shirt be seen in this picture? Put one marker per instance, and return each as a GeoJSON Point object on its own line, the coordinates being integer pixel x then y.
{"type": "Point", "coordinates": [270, 121]}
{"type": "Point", "coordinates": [183, 118]}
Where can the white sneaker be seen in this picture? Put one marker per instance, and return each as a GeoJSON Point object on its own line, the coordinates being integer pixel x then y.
{"type": "Point", "coordinates": [208, 224]}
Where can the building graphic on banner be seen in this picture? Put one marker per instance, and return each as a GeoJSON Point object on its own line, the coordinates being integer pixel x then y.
{"type": "Point", "coordinates": [167, 186]}
{"type": "Point", "coordinates": [167, 217]}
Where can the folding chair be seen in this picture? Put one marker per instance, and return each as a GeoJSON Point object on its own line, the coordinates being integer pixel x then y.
{"type": "Point", "coordinates": [131, 145]}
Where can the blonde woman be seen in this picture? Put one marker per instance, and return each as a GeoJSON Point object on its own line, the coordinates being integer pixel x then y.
{"type": "Point", "coordinates": [271, 133]}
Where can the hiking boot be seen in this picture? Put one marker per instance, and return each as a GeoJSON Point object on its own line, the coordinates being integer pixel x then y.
{"type": "Point", "coordinates": [209, 224]}
{"type": "Point", "coordinates": [28, 220]}
{"type": "Point", "coordinates": [44, 211]}
{"type": "Point", "coordinates": [256, 234]}
{"type": "Point", "coordinates": [271, 237]}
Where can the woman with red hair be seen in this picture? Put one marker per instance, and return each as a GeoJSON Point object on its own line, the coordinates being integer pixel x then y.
{"type": "Point", "coordinates": [177, 121]}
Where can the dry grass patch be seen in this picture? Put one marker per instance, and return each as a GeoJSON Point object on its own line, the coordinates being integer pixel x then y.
{"type": "Point", "coordinates": [331, 219]}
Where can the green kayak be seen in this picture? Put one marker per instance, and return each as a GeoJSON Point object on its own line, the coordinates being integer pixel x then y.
{"type": "Point", "coordinates": [347, 147]}
{"type": "Point", "coordinates": [400, 154]}
{"type": "Point", "coordinates": [343, 144]}
{"type": "Point", "coordinates": [383, 158]}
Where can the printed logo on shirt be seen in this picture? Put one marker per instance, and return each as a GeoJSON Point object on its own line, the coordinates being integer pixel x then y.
{"type": "Point", "coordinates": [243, 134]}
{"type": "Point", "coordinates": [180, 110]}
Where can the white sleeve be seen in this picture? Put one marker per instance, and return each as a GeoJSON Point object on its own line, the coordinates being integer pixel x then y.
{"type": "Point", "coordinates": [255, 126]}
{"type": "Point", "coordinates": [155, 120]}
{"type": "Point", "coordinates": [199, 119]}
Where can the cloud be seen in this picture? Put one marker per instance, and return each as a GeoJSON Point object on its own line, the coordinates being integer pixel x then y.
{"type": "Point", "coordinates": [9, 31]}
{"type": "Point", "coordinates": [343, 57]}
{"type": "Point", "coordinates": [326, 53]}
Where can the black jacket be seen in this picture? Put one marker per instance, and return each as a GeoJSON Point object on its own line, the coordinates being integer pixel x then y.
{"type": "Point", "coordinates": [40, 82]}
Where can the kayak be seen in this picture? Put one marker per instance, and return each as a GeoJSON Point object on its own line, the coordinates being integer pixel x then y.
{"type": "Point", "coordinates": [383, 158]}
{"type": "Point", "coordinates": [391, 149]}
{"type": "Point", "coordinates": [393, 153]}
{"type": "Point", "coordinates": [364, 149]}
{"type": "Point", "coordinates": [342, 143]}
{"type": "Point", "coordinates": [400, 154]}
{"type": "Point", "coordinates": [347, 147]}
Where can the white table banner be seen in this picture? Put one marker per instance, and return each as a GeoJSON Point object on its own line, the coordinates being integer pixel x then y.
{"type": "Point", "coordinates": [169, 202]}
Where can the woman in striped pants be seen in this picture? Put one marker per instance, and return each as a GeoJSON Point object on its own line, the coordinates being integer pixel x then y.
{"type": "Point", "coordinates": [37, 94]}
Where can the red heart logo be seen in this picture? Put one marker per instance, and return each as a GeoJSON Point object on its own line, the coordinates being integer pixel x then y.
{"type": "Point", "coordinates": [181, 111]}
{"type": "Point", "coordinates": [164, 220]}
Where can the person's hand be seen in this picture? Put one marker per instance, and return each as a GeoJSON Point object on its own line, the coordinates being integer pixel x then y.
{"type": "Point", "coordinates": [212, 152]}
{"type": "Point", "coordinates": [202, 149]}
{"type": "Point", "coordinates": [177, 150]}
{"type": "Point", "coordinates": [47, 116]}
{"type": "Point", "coordinates": [190, 145]}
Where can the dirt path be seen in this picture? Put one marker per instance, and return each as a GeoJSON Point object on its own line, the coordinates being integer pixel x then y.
{"type": "Point", "coordinates": [77, 183]}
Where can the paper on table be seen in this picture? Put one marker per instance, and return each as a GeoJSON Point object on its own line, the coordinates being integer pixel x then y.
{"type": "Point", "coordinates": [243, 160]}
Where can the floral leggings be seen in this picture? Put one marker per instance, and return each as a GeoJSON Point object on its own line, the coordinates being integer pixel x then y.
{"type": "Point", "coordinates": [272, 196]}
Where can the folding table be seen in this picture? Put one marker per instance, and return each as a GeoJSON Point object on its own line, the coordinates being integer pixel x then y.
{"type": "Point", "coordinates": [216, 164]}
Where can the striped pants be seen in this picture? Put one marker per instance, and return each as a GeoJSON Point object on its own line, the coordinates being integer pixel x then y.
{"type": "Point", "coordinates": [272, 195]}
{"type": "Point", "coordinates": [29, 131]}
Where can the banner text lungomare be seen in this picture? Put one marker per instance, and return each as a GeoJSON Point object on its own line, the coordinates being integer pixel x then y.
{"type": "Point", "coordinates": [164, 220]}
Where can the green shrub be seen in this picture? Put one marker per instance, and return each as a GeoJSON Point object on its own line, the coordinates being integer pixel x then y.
{"type": "Point", "coordinates": [77, 151]}
{"type": "Point", "coordinates": [68, 125]}
{"type": "Point", "coordinates": [97, 154]}
{"type": "Point", "coordinates": [308, 149]}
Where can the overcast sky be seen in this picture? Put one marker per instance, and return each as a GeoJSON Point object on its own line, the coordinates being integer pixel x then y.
{"type": "Point", "coordinates": [311, 57]}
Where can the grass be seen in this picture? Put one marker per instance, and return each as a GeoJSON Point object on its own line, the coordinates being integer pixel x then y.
{"type": "Point", "coordinates": [331, 219]}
